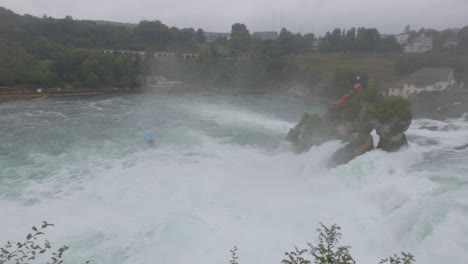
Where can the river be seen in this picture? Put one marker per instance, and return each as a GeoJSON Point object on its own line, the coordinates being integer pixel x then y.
{"type": "Point", "coordinates": [218, 176]}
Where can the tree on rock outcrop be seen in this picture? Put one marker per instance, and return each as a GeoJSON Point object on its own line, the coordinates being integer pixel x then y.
{"type": "Point", "coordinates": [352, 120]}
{"type": "Point", "coordinates": [391, 117]}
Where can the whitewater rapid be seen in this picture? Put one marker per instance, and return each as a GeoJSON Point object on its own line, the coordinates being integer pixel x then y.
{"type": "Point", "coordinates": [220, 176]}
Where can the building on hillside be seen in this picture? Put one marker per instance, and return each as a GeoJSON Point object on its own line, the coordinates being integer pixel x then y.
{"type": "Point", "coordinates": [451, 42]}
{"type": "Point", "coordinates": [402, 38]}
{"type": "Point", "coordinates": [157, 54]}
{"type": "Point", "coordinates": [425, 79]}
{"type": "Point", "coordinates": [317, 43]}
{"type": "Point", "coordinates": [265, 35]}
{"type": "Point", "coordinates": [161, 83]}
{"type": "Point", "coordinates": [214, 36]}
{"type": "Point", "coordinates": [124, 52]}
{"type": "Point", "coordinates": [419, 45]}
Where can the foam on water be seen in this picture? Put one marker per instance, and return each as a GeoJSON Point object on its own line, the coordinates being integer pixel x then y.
{"type": "Point", "coordinates": [204, 189]}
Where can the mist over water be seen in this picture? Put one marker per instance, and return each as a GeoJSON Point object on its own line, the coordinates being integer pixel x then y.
{"type": "Point", "coordinates": [218, 176]}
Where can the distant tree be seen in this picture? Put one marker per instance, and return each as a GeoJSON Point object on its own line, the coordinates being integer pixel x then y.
{"type": "Point", "coordinates": [7, 77]}
{"type": "Point", "coordinates": [213, 51]}
{"type": "Point", "coordinates": [335, 39]}
{"type": "Point", "coordinates": [308, 39]}
{"type": "Point", "coordinates": [200, 36]}
{"type": "Point", "coordinates": [463, 38]}
{"type": "Point", "coordinates": [389, 45]}
{"type": "Point", "coordinates": [407, 29]}
{"type": "Point", "coordinates": [350, 39]}
{"type": "Point", "coordinates": [92, 80]}
{"type": "Point", "coordinates": [240, 37]}
{"type": "Point", "coordinates": [153, 34]}
{"type": "Point", "coordinates": [287, 42]}
{"type": "Point", "coordinates": [441, 38]}
{"type": "Point", "coordinates": [183, 39]}
{"type": "Point", "coordinates": [367, 40]}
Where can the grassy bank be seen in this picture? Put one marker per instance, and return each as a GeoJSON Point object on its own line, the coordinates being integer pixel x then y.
{"type": "Point", "coordinates": [15, 97]}
{"type": "Point", "coordinates": [323, 65]}
{"type": "Point", "coordinates": [27, 96]}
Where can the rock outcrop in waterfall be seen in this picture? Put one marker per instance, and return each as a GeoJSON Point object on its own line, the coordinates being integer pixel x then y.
{"type": "Point", "coordinates": [352, 120]}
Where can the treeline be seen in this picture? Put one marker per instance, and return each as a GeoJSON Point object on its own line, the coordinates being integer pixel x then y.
{"type": "Point", "coordinates": [242, 42]}
{"type": "Point", "coordinates": [255, 71]}
{"type": "Point", "coordinates": [65, 52]}
{"type": "Point", "coordinates": [455, 59]}
{"type": "Point", "coordinates": [71, 68]}
{"type": "Point", "coordinates": [68, 53]}
{"type": "Point", "coordinates": [51, 52]}
{"type": "Point", "coordinates": [450, 49]}
{"type": "Point", "coordinates": [358, 40]}
{"type": "Point", "coordinates": [43, 52]}
{"type": "Point", "coordinates": [154, 35]}
{"type": "Point", "coordinates": [440, 38]}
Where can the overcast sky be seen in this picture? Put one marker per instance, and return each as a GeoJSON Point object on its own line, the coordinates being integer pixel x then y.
{"type": "Point", "coordinates": [318, 16]}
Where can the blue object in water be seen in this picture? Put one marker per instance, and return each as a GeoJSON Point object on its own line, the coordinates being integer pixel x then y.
{"type": "Point", "coordinates": [149, 137]}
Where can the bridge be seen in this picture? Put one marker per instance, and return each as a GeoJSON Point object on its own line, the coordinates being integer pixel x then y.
{"type": "Point", "coordinates": [157, 54]}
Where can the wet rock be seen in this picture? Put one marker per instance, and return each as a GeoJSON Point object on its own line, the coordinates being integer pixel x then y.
{"type": "Point", "coordinates": [391, 134]}
{"type": "Point", "coordinates": [465, 116]}
{"type": "Point", "coordinates": [310, 131]}
{"type": "Point", "coordinates": [361, 144]}
{"type": "Point", "coordinates": [393, 143]}
{"type": "Point", "coordinates": [431, 128]}
{"type": "Point", "coordinates": [390, 117]}
{"type": "Point", "coordinates": [450, 127]}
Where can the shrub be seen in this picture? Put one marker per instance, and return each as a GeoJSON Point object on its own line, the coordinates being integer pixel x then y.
{"type": "Point", "coordinates": [389, 107]}
{"type": "Point", "coordinates": [327, 251]}
{"type": "Point", "coordinates": [344, 81]}
{"type": "Point", "coordinates": [27, 251]}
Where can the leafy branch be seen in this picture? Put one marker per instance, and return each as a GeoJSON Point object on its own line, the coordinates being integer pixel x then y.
{"type": "Point", "coordinates": [234, 257]}
{"type": "Point", "coordinates": [405, 258]}
{"type": "Point", "coordinates": [27, 251]}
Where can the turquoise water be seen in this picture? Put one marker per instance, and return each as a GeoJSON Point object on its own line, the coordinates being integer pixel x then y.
{"type": "Point", "coordinates": [220, 175]}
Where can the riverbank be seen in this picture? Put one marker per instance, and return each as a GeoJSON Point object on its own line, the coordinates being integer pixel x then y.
{"type": "Point", "coordinates": [440, 105]}
{"type": "Point", "coordinates": [193, 88]}
{"type": "Point", "coordinates": [28, 96]}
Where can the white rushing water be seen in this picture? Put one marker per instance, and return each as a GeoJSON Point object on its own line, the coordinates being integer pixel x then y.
{"type": "Point", "coordinates": [218, 176]}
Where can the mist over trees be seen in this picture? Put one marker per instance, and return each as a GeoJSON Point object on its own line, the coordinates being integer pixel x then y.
{"type": "Point", "coordinates": [359, 40]}
{"type": "Point", "coordinates": [66, 52]}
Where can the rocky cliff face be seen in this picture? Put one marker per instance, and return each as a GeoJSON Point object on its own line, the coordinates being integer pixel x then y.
{"type": "Point", "coordinates": [353, 121]}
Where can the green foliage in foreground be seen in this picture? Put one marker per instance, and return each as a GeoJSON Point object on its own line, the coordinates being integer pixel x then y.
{"type": "Point", "coordinates": [326, 251]}
{"type": "Point", "coordinates": [27, 251]}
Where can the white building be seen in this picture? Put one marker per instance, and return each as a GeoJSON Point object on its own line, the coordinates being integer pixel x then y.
{"type": "Point", "coordinates": [402, 39]}
{"type": "Point", "coordinates": [419, 45]}
{"type": "Point", "coordinates": [317, 43]}
{"type": "Point", "coordinates": [425, 79]}
{"type": "Point", "coordinates": [265, 35]}
{"type": "Point", "coordinates": [451, 42]}
{"type": "Point", "coordinates": [214, 36]}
